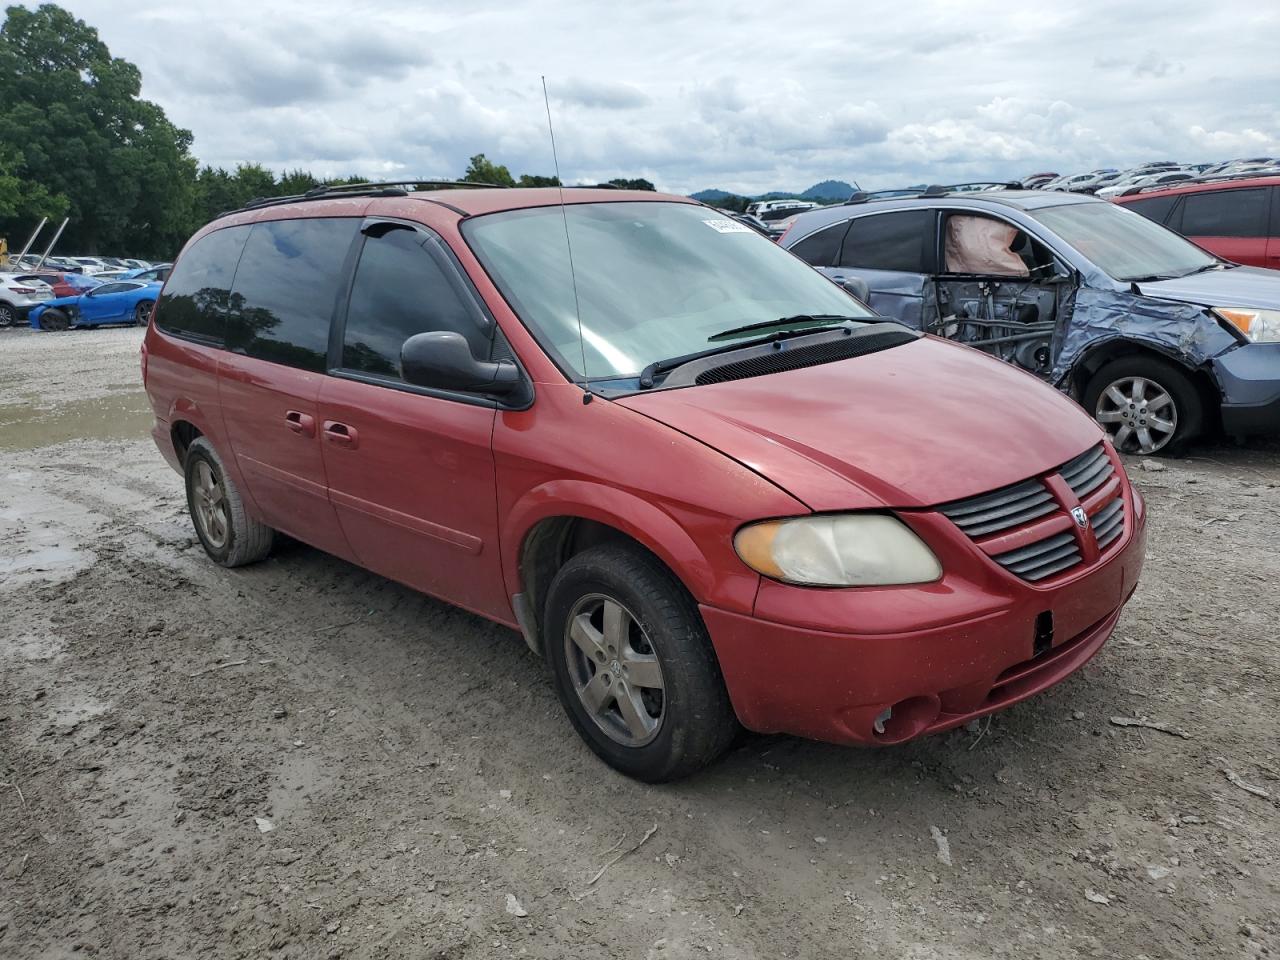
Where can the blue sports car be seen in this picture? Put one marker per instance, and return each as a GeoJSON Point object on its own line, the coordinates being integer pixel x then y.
{"type": "Point", "coordinates": [117, 301]}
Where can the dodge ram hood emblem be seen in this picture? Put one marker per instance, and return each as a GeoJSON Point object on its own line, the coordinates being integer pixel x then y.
{"type": "Point", "coordinates": [1081, 518]}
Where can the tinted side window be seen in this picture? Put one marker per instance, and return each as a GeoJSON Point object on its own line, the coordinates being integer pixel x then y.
{"type": "Point", "coordinates": [399, 290]}
{"type": "Point", "coordinates": [113, 288]}
{"type": "Point", "coordinates": [194, 303]}
{"type": "Point", "coordinates": [822, 248]}
{"type": "Point", "coordinates": [286, 289]}
{"type": "Point", "coordinates": [1226, 213]}
{"type": "Point", "coordinates": [1154, 208]}
{"type": "Point", "coordinates": [891, 241]}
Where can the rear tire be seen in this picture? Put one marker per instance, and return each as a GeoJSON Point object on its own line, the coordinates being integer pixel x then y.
{"type": "Point", "coordinates": [647, 695]}
{"type": "Point", "coordinates": [54, 319]}
{"type": "Point", "coordinates": [228, 534]}
{"type": "Point", "coordinates": [142, 312]}
{"type": "Point", "coordinates": [1149, 406]}
{"type": "Point", "coordinates": [8, 315]}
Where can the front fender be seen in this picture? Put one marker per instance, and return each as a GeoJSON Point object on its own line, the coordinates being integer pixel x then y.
{"type": "Point", "coordinates": [730, 585]}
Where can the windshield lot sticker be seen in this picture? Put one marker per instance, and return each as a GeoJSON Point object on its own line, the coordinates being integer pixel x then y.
{"type": "Point", "coordinates": [727, 226]}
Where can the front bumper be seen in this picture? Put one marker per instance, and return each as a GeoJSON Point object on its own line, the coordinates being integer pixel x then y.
{"type": "Point", "coordinates": [1249, 378]}
{"type": "Point", "coordinates": [938, 655]}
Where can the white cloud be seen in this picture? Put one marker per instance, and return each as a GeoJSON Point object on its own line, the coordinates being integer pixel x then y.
{"type": "Point", "coordinates": [744, 96]}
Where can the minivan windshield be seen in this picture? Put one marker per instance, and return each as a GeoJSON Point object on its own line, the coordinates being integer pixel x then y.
{"type": "Point", "coordinates": [654, 280]}
{"type": "Point", "coordinates": [1123, 244]}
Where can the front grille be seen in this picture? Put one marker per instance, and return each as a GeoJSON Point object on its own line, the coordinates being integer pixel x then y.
{"type": "Point", "coordinates": [1043, 558]}
{"type": "Point", "coordinates": [1014, 514]}
{"type": "Point", "coordinates": [1007, 507]}
{"type": "Point", "coordinates": [1087, 472]}
{"type": "Point", "coordinates": [1108, 523]}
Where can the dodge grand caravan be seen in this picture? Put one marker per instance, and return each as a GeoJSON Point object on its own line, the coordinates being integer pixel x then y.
{"type": "Point", "coordinates": [706, 483]}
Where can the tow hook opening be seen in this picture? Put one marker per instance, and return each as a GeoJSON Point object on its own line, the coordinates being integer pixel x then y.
{"type": "Point", "coordinates": [905, 719]}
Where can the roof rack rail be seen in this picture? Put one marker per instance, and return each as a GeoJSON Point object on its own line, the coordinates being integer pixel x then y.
{"type": "Point", "coordinates": [933, 190]}
{"type": "Point", "coordinates": [333, 191]}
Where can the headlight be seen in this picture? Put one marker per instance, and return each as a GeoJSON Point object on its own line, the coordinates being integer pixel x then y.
{"type": "Point", "coordinates": [1260, 326]}
{"type": "Point", "coordinates": [838, 550]}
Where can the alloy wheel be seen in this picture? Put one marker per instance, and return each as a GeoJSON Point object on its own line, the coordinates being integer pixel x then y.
{"type": "Point", "coordinates": [210, 502]}
{"type": "Point", "coordinates": [615, 670]}
{"type": "Point", "coordinates": [1139, 413]}
{"type": "Point", "coordinates": [8, 316]}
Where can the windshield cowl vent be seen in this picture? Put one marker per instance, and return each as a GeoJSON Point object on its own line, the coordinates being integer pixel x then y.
{"type": "Point", "coordinates": [794, 358]}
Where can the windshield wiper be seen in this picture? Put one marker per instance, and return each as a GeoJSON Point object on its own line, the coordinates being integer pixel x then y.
{"type": "Point", "coordinates": [648, 374]}
{"type": "Point", "coordinates": [797, 322]}
{"type": "Point", "coordinates": [1207, 267]}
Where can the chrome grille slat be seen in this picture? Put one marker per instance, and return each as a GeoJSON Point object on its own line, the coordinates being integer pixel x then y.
{"type": "Point", "coordinates": [1020, 503]}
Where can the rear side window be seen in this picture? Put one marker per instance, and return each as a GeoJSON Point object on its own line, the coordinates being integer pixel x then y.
{"type": "Point", "coordinates": [1154, 208]}
{"type": "Point", "coordinates": [1225, 213]}
{"type": "Point", "coordinates": [286, 290]}
{"type": "Point", "coordinates": [891, 241]}
{"type": "Point", "coordinates": [401, 289]}
{"type": "Point", "coordinates": [195, 300]}
{"type": "Point", "coordinates": [822, 248]}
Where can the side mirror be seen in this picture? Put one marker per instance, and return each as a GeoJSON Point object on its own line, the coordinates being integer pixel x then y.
{"type": "Point", "coordinates": [443, 359]}
{"type": "Point", "coordinates": [858, 287]}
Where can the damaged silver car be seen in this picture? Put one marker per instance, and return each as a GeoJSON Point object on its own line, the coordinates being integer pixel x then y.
{"type": "Point", "coordinates": [1160, 340]}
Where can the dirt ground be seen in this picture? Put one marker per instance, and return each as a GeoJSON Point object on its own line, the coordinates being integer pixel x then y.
{"type": "Point", "coordinates": [301, 759]}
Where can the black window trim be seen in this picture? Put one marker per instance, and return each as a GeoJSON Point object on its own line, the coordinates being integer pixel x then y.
{"type": "Point", "coordinates": [434, 246]}
{"type": "Point", "coordinates": [831, 225]}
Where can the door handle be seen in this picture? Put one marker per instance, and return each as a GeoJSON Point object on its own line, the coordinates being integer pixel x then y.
{"type": "Point", "coordinates": [341, 434]}
{"type": "Point", "coordinates": [300, 423]}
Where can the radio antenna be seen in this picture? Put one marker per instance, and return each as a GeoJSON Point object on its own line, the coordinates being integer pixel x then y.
{"type": "Point", "coordinates": [564, 215]}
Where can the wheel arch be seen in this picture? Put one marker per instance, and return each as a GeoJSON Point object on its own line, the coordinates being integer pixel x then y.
{"type": "Point", "coordinates": [1100, 354]}
{"type": "Point", "coordinates": [560, 519]}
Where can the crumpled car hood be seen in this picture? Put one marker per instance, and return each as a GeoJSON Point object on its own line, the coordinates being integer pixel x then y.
{"type": "Point", "coordinates": [1234, 287]}
{"type": "Point", "coordinates": [911, 426]}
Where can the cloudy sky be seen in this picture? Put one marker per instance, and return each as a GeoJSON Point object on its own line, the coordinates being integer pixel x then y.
{"type": "Point", "coordinates": [744, 96]}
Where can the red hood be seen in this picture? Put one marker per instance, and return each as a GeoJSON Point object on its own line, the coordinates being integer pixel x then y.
{"type": "Point", "coordinates": [911, 426]}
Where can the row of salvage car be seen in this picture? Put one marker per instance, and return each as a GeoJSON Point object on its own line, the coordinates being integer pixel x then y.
{"type": "Point", "coordinates": [1159, 338]}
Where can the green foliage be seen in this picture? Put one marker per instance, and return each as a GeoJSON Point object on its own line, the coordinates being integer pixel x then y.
{"type": "Point", "coordinates": [536, 180]}
{"type": "Point", "coordinates": [638, 184]}
{"type": "Point", "coordinates": [482, 170]}
{"type": "Point", "coordinates": [74, 112]}
{"type": "Point", "coordinates": [24, 200]}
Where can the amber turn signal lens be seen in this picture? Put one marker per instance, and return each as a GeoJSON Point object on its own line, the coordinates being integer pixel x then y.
{"type": "Point", "coordinates": [755, 546]}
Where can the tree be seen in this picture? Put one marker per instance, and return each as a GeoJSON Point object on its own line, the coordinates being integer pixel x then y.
{"type": "Point", "coordinates": [536, 180]}
{"type": "Point", "coordinates": [125, 171]}
{"type": "Point", "coordinates": [637, 184]}
{"type": "Point", "coordinates": [482, 170]}
{"type": "Point", "coordinates": [21, 200]}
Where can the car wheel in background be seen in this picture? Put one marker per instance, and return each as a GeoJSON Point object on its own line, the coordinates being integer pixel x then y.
{"type": "Point", "coordinates": [228, 534]}
{"type": "Point", "coordinates": [8, 315]}
{"type": "Point", "coordinates": [142, 312]}
{"type": "Point", "coordinates": [633, 665]}
{"type": "Point", "coordinates": [54, 319]}
{"type": "Point", "coordinates": [1149, 406]}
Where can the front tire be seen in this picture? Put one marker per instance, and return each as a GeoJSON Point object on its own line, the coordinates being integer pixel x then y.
{"type": "Point", "coordinates": [54, 319]}
{"type": "Point", "coordinates": [1149, 406]}
{"type": "Point", "coordinates": [228, 534]}
{"type": "Point", "coordinates": [633, 665]}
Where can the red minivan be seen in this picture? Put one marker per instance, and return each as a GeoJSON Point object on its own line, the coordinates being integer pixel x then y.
{"type": "Point", "coordinates": [707, 484]}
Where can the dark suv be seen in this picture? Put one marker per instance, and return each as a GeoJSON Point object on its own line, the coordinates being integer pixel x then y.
{"type": "Point", "coordinates": [1155, 337]}
{"type": "Point", "coordinates": [1238, 219]}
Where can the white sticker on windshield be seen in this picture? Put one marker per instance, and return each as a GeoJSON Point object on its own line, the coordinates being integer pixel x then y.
{"type": "Point", "coordinates": [727, 226]}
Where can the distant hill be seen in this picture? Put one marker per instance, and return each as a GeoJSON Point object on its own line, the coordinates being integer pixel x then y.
{"type": "Point", "coordinates": [826, 190]}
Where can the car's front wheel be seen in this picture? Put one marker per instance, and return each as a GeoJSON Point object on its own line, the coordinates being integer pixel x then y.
{"type": "Point", "coordinates": [228, 534]}
{"type": "Point", "coordinates": [633, 665]}
{"type": "Point", "coordinates": [1149, 406]}
{"type": "Point", "coordinates": [54, 319]}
